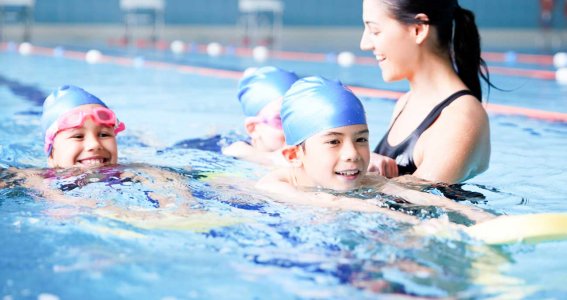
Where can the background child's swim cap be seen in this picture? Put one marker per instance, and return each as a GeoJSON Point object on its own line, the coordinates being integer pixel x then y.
{"type": "Point", "coordinates": [62, 100]}
{"type": "Point", "coordinates": [314, 104]}
{"type": "Point", "coordinates": [263, 86]}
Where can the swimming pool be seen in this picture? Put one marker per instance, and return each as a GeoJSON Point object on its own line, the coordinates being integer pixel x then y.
{"type": "Point", "coordinates": [257, 248]}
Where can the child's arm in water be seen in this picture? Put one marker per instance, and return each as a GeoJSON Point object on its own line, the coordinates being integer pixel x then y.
{"type": "Point", "coordinates": [157, 179]}
{"type": "Point", "coordinates": [164, 186]}
{"type": "Point", "coordinates": [279, 183]}
{"type": "Point", "coordinates": [245, 151]}
{"type": "Point", "coordinates": [34, 180]}
{"type": "Point", "coordinates": [397, 189]}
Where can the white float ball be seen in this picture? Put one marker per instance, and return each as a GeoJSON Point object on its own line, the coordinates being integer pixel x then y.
{"type": "Point", "coordinates": [561, 76]}
{"type": "Point", "coordinates": [346, 59]}
{"type": "Point", "coordinates": [93, 56]}
{"type": "Point", "coordinates": [560, 60]}
{"type": "Point", "coordinates": [47, 296]}
{"type": "Point", "coordinates": [260, 53]}
{"type": "Point", "coordinates": [249, 71]}
{"type": "Point", "coordinates": [58, 51]}
{"type": "Point", "coordinates": [510, 57]}
{"type": "Point", "coordinates": [25, 48]}
{"type": "Point", "coordinates": [214, 49]}
{"type": "Point", "coordinates": [138, 61]}
{"type": "Point", "coordinates": [177, 47]}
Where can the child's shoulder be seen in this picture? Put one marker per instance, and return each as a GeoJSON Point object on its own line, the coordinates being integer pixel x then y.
{"type": "Point", "coordinates": [277, 180]}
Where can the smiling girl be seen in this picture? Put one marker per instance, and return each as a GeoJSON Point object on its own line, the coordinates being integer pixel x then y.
{"type": "Point", "coordinates": [80, 130]}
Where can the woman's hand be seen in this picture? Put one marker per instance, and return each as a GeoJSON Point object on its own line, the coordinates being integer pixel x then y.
{"type": "Point", "coordinates": [383, 165]}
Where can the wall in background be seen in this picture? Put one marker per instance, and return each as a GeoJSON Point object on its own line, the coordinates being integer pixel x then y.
{"type": "Point", "coordinates": [490, 13]}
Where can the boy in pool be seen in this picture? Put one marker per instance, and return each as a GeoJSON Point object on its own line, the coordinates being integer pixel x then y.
{"type": "Point", "coordinates": [260, 92]}
{"type": "Point", "coordinates": [327, 147]}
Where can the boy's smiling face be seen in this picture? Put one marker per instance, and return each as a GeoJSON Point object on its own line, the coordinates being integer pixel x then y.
{"type": "Point", "coordinates": [335, 159]}
{"type": "Point", "coordinates": [86, 146]}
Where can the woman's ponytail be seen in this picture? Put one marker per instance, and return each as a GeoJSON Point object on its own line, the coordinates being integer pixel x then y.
{"type": "Point", "coordinates": [457, 35]}
{"type": "Point", "coordinates": [467, 52]}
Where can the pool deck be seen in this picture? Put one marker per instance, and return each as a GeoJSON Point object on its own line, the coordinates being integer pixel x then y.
{"type": "Point", "coordinates": [295, 38]}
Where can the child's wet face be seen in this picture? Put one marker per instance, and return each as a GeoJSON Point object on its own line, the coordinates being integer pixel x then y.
{"type": "Point", "coordinates": [88, 146]}
{"type": "Point", "coordinates": [269, 139]}
{"type": "Point", "coordinates": [269, 135]}
{"type": "Point", "coordinates": [337, 158]}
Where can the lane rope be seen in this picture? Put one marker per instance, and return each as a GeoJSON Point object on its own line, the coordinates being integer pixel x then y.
{"type": "Point", "coordinates": [497, 109]}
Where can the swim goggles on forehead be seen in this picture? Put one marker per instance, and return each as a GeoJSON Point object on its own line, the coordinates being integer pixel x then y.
{"type": "Point", "coordinates": [77, 117]}
{"type": "Point", "coordinates": [272, 121]}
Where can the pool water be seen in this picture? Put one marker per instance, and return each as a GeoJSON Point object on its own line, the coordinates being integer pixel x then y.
{"type": "Point", "coordinates": [243, 244]}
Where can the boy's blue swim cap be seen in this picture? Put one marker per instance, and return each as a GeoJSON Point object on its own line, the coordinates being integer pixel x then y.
{"type": "Point", "coordinates": [62, 100]}
{"type": "Point", "coordinates": [263, 86]}
{"type": "Point", "coordinates": [314, 104]}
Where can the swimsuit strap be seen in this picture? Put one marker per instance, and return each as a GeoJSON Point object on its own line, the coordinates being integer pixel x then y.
{"type": "Point", "coordinates": [436, 111]}
{"type": "Point", "coordinates": [403, 151]}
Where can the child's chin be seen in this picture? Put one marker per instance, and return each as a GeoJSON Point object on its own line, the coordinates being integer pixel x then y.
{"type": "Point", "coordinates": [92, 165]}
{"type": "Point", "coordinates": [347, 187]}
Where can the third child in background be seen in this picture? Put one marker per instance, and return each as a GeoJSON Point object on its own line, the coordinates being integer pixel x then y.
{"type": "Point", "coordinates": [260, 94]}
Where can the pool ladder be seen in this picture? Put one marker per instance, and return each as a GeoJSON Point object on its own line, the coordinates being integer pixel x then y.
{"type": "Point", "coordinates": [13, 11]}
{"type": "Point", "coordinates": [142, 12]}
{"type": "Point", "coordinates": [260, 22]}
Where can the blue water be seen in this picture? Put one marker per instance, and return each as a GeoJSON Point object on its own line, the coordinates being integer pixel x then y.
{"type": "Point", "coordinates": [267, 249]}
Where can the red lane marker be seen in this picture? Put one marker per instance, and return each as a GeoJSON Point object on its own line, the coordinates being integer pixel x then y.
{"type": "Point", "coordinates": [302, 56]}
{"type": "Point", "coordinates": [527, 112]}
{"type": "Point", "coordinates": [523, 58]}
{"type": "Point", "coordinates": [538, 74]}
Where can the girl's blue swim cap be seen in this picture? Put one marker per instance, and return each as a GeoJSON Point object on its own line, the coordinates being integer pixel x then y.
{"type": "Point", "coordinates": [62, 100]}
{"type": "Point", "coordinates": [314, 104]}
{"type": "Point", "coordinates": [263, 86]}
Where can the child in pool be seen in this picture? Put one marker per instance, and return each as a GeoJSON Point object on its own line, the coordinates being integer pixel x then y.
{"type": "Point", "coordinates": [80, 130]}
{"type": "Point", "coordinates": [80, 143]}
{"type": "Point", "coordinates": [260, 92]}
{"type": "Point", "coordinates": [327, 147]}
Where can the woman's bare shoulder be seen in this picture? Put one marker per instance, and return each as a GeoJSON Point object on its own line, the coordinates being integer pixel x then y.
{"type": "Point", "coordinates": [467, 114]}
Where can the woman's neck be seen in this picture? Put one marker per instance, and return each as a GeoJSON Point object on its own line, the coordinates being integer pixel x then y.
{"type": "Point", "coordinates": [434, 79]}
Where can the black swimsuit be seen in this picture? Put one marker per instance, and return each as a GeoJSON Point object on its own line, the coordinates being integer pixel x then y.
{"type": "Point", "coordinates": [403, 152]}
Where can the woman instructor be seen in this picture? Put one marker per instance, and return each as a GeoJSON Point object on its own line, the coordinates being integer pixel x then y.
{"type": "Point", "coordinates": [439, 129]}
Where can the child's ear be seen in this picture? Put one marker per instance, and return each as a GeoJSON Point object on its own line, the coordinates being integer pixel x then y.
{"type": "Point", "coordinates": [250, 125]}
{"type": "Point", "coordinates": [50, 161]}
{"type": "Point", "coordinates": [293, 155]}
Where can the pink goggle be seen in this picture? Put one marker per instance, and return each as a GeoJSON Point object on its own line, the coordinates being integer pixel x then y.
{"type": "Point", "coordinates": [76, 118]}
{"type": "Point", "coordinates": [274, 121]}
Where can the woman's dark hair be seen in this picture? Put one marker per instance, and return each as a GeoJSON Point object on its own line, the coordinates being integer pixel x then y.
{"type": "Point", "coordinates": [463, 44]}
